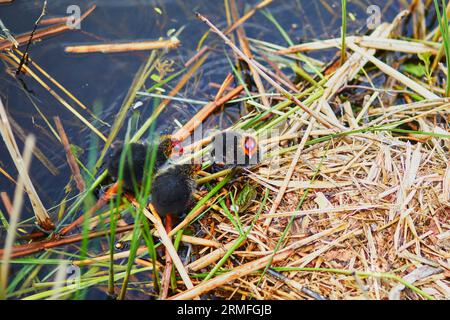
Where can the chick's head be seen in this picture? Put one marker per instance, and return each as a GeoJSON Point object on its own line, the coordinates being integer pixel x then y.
{"type": "Point", "coordinates": [167, 146]}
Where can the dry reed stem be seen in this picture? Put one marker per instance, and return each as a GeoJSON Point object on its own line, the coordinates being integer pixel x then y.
{"type": "Point", "coordinates": [59, 281]}
{"type": "Point", "coordinates": [165, 279]}
{"type": "Point", "coordinates": [58, 97]}
{"type": "Point", "coordinates": [247, 15]}
{"type": "Point", "coordinates": [124, 47]}
{"type": "Point", "coordinates": [212, 257]}
{"type": "Point", "coordinates": [15, 215]}
{"type": "Point", "coordinates": [70, 157]}
{"type": "Point", "coordinates": [21, 134]}
{"type": "Point", "coordinates": [154, 218]}
{"type": "Point", "coordinates": [42, 33]}
{"type": "Point", "coordinates": [365, 42]}
{"type": "Point", "coordinates": [224, 86]}
{"type": "Point", "coordinates": [233, 274]}
{"type": "Point", "coordinates": [395, 74]}
{"type": "Point", "coordinates": [203, 113]}
{"type": "Point", "coordinates": [42, 217]}
{"type": "Point", "coordinates": [196, 56]}
{"type": "Point", "coordinates": [7, 203]}
{"type": "Point", "coordinates": [55, 20]}
{"type": "Point", "coordinates": [34, 247]}
{"type": "Point", "coordinates": [144, 249]}
{"type": "Point", "coordinates": [7, 175]}
{"type": "Point", "coordinates": [257, 68]}
{"type": "Point", "coordinates": [104, 199]}
{"type": "Point", "coordinates": [166, 102]}
{"type": "Point", "coordinates": [188, 219]}
{"type": "Point", "coordinates": [246, 50]}
{"type": "Point", "coordinates": [58, 85]}
{"type": "Point", "coordinates": [289, 173]}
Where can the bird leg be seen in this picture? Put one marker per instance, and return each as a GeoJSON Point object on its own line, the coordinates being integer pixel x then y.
{"type": "Point", "coordinates": [165, 281]}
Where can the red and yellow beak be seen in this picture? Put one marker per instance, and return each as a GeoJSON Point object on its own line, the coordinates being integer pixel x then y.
{"type": "Point", "coordinates": [250, 146]}
{"type": "Point", "coordinates": [176, 147]}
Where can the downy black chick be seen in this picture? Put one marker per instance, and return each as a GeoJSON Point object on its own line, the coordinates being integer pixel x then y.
{"type": "Point", "coordinates": [134, 167]}
{"type": "Point", "coordinates": [172, 189]}
{"type": "Point", "coordinates": [231, 149]}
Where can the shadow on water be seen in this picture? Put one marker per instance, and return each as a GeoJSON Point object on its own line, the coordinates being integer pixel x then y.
{"type": "Point", "coordinates": [103, 79]}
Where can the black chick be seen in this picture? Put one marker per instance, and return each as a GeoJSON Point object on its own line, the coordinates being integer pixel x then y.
{"type": "Point", "coordinates": [172, 189]}
{"type": "Point", "coordinates": [134, 170]}
{"type": "Point", "coordinates": [231, 149]}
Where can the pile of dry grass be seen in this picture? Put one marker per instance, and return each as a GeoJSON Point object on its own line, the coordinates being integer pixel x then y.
{"type": "Point", "coordinates": [379, 206]}
{"type": "Point", "coordinates": [373, 198]}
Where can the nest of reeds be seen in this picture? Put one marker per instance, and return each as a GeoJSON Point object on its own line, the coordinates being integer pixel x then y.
{"type": "Point", "coordinates": [350, 201]}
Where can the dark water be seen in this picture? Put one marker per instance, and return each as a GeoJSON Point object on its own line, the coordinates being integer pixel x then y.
{"type": "Point", "coordinates": [103, 79]}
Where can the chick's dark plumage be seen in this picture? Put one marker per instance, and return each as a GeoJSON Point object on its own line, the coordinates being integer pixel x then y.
{"type": "Point", "coordinates": [134, 167]}
{"type": "Point", "coordinates": [172, 189]}
{"type": "Point", "coordinates": [234, 148]}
